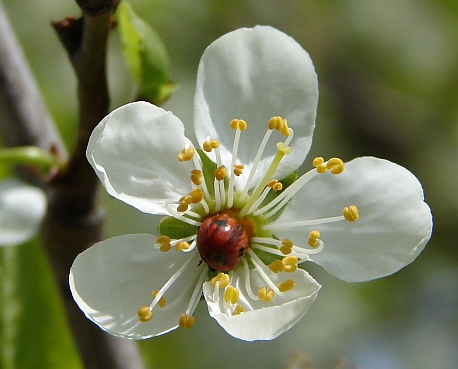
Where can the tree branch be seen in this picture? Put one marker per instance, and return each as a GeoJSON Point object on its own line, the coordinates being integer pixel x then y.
{"type": "Point", "coordinates": [74, 220]}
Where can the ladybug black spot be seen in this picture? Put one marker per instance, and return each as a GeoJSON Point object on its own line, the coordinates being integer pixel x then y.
{"type": "Point", "coordinates": [221, 223]}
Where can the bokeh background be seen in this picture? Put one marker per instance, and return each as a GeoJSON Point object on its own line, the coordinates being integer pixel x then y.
{"type": "Point", "coordinates": [388, 77]}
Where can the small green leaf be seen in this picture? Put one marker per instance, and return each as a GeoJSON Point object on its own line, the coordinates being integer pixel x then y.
{"type": "Point", "coordinates": [30, 155]}
{"type": "Point", "coordinates": [175, 228]}
{"type": "Point", "coordinates": [146, 56]}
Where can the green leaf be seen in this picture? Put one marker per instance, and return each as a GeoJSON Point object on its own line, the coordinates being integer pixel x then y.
{"type": "Point", "coordinates": [33, 328]}
{"type": "Point", "coordinates": [146, 56]}
{"type": "Point", "coordinates": [176, 229]}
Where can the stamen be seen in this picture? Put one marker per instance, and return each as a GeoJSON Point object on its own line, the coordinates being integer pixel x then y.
{"type": "Point", "coordinates": [286, 285]}
{"type": "Point", "coordinates": [145, 314]}
{"type": "Point", "coordinates": [181, 246]}
{"type": "Point", "coordinates": [289, 263]}
{"type": "Point", "coordinates": [313, 238]}
{"type": "Point", "coordinates": [170, 206]}
{"type": "Point", "coordinates": [301, 223]}
{"type": "Point", "coordinates": [286, 246]}
{"type": "Point", "coordinates": [276, 266]}
{"type": "Point", "coordinates": [351, 213]}
{"type": "Point", "coordinates": [186, 154]}
{"type": "Point", "coordinates": [238, 125]}
{"type": "Point", "coordinates": [264, 294]}
{"type": "Point", "coordinates": [238, 309]}
{"type": "Point", "coordinates": [318, 163]}
{"type": "Point", "coordinates": [283, 148]}
{"type": "Point", "coordinates": [196, 196]}
{"type": "Point", "coordinates": [186, 321]}
{"type": "Point", "coordinates": [260, 266]}
{"type": "Point", "coordinates": [231, 294]}
{"type": "Point", "coordinates": [162, 299]}
{"type": "Point", "coordinates": [335, 165]}
{"type": "Point", "coordinates": [222, 278]}
{"type": "Point", "coordinates": [248, 289]}
{"type": "Point", "coordinates": [164, 243]}
{"type": "Point", "coordinates": [196, 176]}
{"type": "Point", "coordinates": [220, 173]}
{"type": "Point", "coordinates": [238, 169]}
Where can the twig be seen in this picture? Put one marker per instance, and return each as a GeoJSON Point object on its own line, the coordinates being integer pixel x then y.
{"type": "Point", "coordinates": [74, 220]}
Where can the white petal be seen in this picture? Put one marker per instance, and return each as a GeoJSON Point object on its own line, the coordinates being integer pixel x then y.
{"type": "Point", "coordinates": [254, 74]}
{"type": "Point", "coordinates": [393, 228]}
{"type": "Point", "coordinates": [22, 208]}
{"type": "Point", "coordinates": [134, 152]}
{"type": "Point", "coordinates": [264, 320]}
{"type": "Point", "coordinates": [111, 280]}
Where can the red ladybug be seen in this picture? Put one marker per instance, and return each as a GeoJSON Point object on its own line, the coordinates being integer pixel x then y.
{"type": "Point", "coordinates": [222, 242]}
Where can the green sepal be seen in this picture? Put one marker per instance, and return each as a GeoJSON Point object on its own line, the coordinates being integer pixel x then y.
{"type": "Point", "coordinates": [146, 56]}
{"type": "Point", "coordinates": [287, 181]}
{"type": "Point", "coordinates": [29, 155]}
{"type": "Point", "coordinates": [176, 229]}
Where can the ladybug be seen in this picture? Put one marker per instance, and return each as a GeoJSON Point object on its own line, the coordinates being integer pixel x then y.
{"type": "Point", "coordinates": [222, 242]}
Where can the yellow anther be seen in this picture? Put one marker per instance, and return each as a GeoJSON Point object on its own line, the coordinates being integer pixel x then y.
{"type": "Point", "coordinates": [165, 247]}
{"type": "Point", "coordinates": [287, 246]}
{"type": "Point", "coordinates": [196, 176]}
{"type": "Point", "coordinates": [196, 196]}
{"type": "Point", "coordinates": [276, 266]}
{"type": "Point", "coordinates": [274, 122]}
{"type": "Point", "coordinates": [186, 154]}
{"type": "Point", "coordinates": [350, 213]}
{"type": "Point", "coordinates": [144, 314]}
{"type": "Point", "coordinates": [207, 146]}
{"type": "Point", "coordinates": [335, 165]}
{"type": "Point", "coordinates": [317, 161]}
{"type": "Point", "coordinates": [238, 169]}
{"type": "Point", "coordinates": [182, 206]}
{"type": "Point", "coordinates": [222, 278]}
{"type": "Point", "coordinates": [231, 294]}
{"type": "Point", "coordinates": [161, 301]}
{"type": "Point", "coordinates": [186, 321]}
{"type": "Point", "coordinates": [283, 148]}
{"type": "Point", "coordinates": [313, 238]}
{"type": "Point", "coordinates": [180, 246]}
{"type": "Point", "coordinates": [272, 183]}
{"type": "Point", "coordinates": [277, 187]}
{"type": "Point", "coordinates": [220, 173]}
{"type": "Point", "coordinates": [287, 243]}
{"type": "Point", "coordinates": [214, 143]}
{"type": "Point", "coordinates": [286, 285]}
{"type": "Point", "coordinates": [264, 294]}
{"type": "Point", "coordinates": [238, 309]}
{"type": "Point", "coordinates": [238, 123]}
{"type": "Point", "coordinates": [289, 263]}
{"type": "Point", "coordinates": [285, 130]}
{"type": "Point", "coordinates": [164, 241]}
{"type": "Point", "coordinates": [321, 168]}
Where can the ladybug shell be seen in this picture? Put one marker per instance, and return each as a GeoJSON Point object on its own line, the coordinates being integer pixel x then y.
{"type": "Point", "coordinates": [222, 242]}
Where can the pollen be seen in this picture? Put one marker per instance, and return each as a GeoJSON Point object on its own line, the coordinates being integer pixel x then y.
{"type": "Point", "coordinates": [264, 294]}
{"type": "Point", "coordinates": [223, 280]}
{"type": "Point", "coordinates": [319, 164]}
{"type": "Point", "coordinates": [350, 213]}
{"type": "Point", "coordinates": [238, 123]}
{"type": "Point", "coordinates": [231, 294]}
{"type": "Point", "coordinates": [276, 266]}
{"type": "Point", "coordinates": [186, 154]}
{"type": "Point", "coordinates": [286, 285]}
{"type": "Point", "coordinates": [144, 314]}
{"type": "Point", "coordinates": [279, 124]}
{"type": "Point", "coordinates": [275, 185]}
{"type": "Point", "coordinates": [181, 246]}
{"type": "Point", "coordinates": [313, 238]}
{"type": "Point", "coordinates": [220, 173]}
{"type": "Point", "coordinates": [238, 309]}
{"type": "Point", "coordinates": [286, 246]}
{"type": "Point", "coordinates": [196, 176]}
{"type": "Point", "coordinates": [164, 242]}
{"type": "Point", "coordinates": [238, 169]}
{"type": "Point", "coordinates": [161, 301]}
{"type": "Point", "coordinates": [289, 263]}
{"type": "Point", "coordinates": [196, 196]}
{"type": "Point", "coordinates": [335, 165]}
{"type": "Point", "coordinates": [186, 321]}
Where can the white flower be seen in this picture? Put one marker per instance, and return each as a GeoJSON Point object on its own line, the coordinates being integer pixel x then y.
{"type": "Point", "coordinates": [22, 208]}
{"type": "Point", "coordinates": [234, 217]}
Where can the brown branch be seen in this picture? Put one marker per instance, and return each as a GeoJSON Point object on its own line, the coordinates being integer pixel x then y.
{"type": "Point", "coordinates": [24, 119]}
{"type": "Point", "coordinates": [74, 220]}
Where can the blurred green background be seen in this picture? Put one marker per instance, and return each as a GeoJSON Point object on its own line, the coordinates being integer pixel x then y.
{"type": "Point", "coordinates": [388, 77]}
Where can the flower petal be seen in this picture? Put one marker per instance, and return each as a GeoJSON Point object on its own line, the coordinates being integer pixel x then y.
{"type": "Point", "coordinates": [134, 152]}
{"type": "Point", "coordinates": [394, 222]}
{"type": "Point", "coordinates": [254, 74]}
{"type": "Point", "coordinates": [263, 320]}
{"type": "Point", "coordinates": [22, 208]}
{"type": "Point", "coordinates": [111, 280]}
